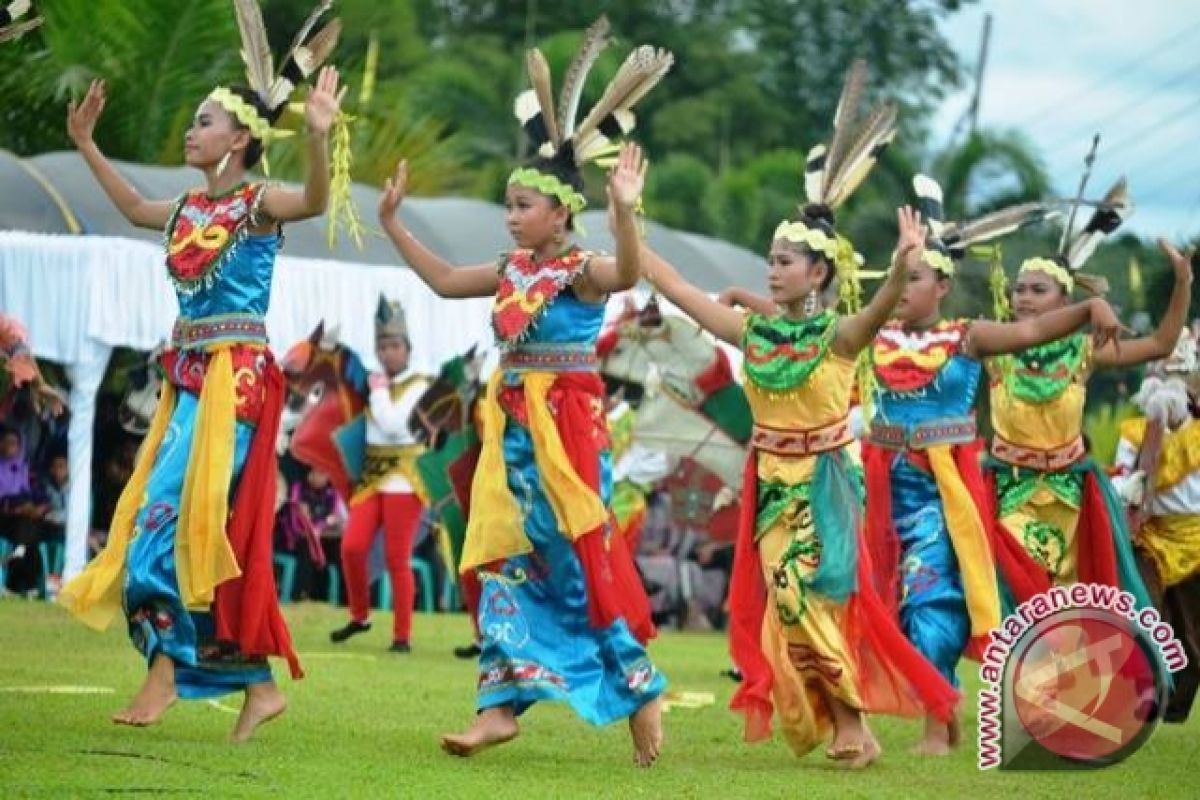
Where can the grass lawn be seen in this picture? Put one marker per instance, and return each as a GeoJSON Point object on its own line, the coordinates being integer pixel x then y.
{"type": "Point", "coordinates": [365, 723]}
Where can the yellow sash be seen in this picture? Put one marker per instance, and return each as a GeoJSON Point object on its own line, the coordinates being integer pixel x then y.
{"type": "Point", "coordinates": [496, 527]}
{"type": "Point", "coordinates": [203, 557]}
{"type": "Point", "coordinates": [969, 537]}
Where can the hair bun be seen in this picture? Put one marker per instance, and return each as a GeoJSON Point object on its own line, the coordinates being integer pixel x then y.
{"type": "Point", "coordinates": [818, 213]}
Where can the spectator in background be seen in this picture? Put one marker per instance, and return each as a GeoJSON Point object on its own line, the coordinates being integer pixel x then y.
{"type": "Point", "coordinates": [115, 470]}
{"type": "Point", "coordinates": [19, 515]}
{"type": "Point", "coordinates": [671, 578]}
{"type": "Point", "coordinates": [310, 526]}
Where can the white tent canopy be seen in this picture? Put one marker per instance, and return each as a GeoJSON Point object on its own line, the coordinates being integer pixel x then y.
{"type": "Point", "coordinates": [80, 296]}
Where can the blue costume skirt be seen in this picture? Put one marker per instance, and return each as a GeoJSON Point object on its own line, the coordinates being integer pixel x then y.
{"type": "Point", "coordinates": [933, 608]}
{"type": "Point", "coordinates": [158, 622]}
{"type": "Point", "coordinates": [538, 643]}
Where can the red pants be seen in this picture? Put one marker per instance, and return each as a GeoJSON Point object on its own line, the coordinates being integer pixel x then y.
{"type": "Point", "coordinates": [400, 515]}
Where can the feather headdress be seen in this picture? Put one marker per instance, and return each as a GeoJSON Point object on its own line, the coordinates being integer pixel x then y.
{"type": "Point", "coordinates": [10, 25]}
{"type": "Point", "coordinates": [949, 240]}
{"type": "Point", "coordinates": [273, 89]}
{"type": "Point", "coordinates": [554, 130]}
{"type": "Point", "coordinates": [833, 171]}
{"type": "Point", "coordinates": [1076, 247]}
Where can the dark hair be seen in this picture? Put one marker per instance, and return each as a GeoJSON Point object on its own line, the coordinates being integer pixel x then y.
{"type": "Point", "coordinates": [254, 150]}
{"type": "Point", "coordinates": [565, 170]}
{"type": "Point", "coordinates": [820, 217]}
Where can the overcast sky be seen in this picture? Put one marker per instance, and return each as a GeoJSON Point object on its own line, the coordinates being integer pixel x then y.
{"type": "Point", "coordinates": [1062, 70]}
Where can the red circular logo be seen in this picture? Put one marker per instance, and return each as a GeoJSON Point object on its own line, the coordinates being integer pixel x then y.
{"type": "Point", "coordinates": [1087, 686]}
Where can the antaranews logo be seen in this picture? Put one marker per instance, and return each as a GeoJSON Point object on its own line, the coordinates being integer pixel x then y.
{"type": "Point", "coordinates": [1075, 678]}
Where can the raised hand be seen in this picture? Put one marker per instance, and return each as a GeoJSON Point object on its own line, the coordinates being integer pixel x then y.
{"type": "Point", "coordinates": [1180, 262]}
{"type": "Point", "coordinates": [394, 191]}
{"type": "Point", "coordinates": [323, 102]}
{"type": "Point", "coordinates": [627, 178]}
{"type": "Point", "coordinates": [911, 243]}
{"type": "Point", "coordinates": [81, 118]}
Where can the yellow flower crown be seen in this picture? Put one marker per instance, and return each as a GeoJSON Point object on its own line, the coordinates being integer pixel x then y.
{"type": "Point", "coordinates": [244, 112]}
{"type": "Point", "coordinates": [550, 186]}
{"type": "Point", "coordinates": [1051, 268]}
{"type": "Point", "coordinates": [815, 239]}
{"type": "Point", "coordinates": [938, 261]}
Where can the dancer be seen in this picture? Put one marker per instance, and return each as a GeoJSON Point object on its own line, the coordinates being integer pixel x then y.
{"type": "Point", "coordinates": [1159, 462]}
{"type": "Point", "coordinates": [188, 559]}
{"type": "Point", "coordinates": [1051, 496]}
{"type": "Point", "coordinates": [808, 631]}
{"type": "Point", "coordinates": [390, 491]}
{"type": "Point", "coordinates": [930, 523]}
{"type": "Point", "coordinates": [562, 611]}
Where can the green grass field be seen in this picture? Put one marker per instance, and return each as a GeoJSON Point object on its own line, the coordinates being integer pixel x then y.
{"type": "Point", "coordinates": [365, 723]}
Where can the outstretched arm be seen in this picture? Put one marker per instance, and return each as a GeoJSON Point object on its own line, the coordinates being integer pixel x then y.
{"type": "Point", "coordinates": [81, 124]}
{"type": "Point", "coordinates": [443, 278]}
{"type": "Point", "coordinates": [1160, 343]}
{"type": "Point", "coordinates": [856, 332]}
{"type": "Point", "coordinates": [624, 188]}
{"type": "Point", "coordinates": [721, 321]}
{"type": "Point", "coordinates": [993, 338]}
{"type": "Point", "coordinates": [734, 296]}
{"type": "Point", "coordinates": [320, 110]}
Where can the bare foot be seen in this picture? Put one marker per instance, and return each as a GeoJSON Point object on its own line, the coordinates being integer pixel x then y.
{"type": "Point", "coordinates": [645, 727]}
{"type": "Point", "coordinates": [936, 741]}
{"type": "Point", "coordinates": [954, 732]}
{"type": "Point", "coordinates": [492, 726]}
{"type": "Point", "coordinates": [264, 702]}
{"type": "Point", "coordinates": [154, 698]}
{"type": "Point", "coordinates": [850, 730]}
{"type": "Point", "coordinates": [871, 752]}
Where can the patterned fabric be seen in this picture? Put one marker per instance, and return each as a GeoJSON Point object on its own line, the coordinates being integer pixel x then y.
{"type": "Point", "coordinates": [781, 353]}
{"type": "Point", "coordinates": [908, 361]}
{"type": "Point", "coordinates": [528, 288]}
{"type": "Point", "coordinates": [800, 609]}
{"type": "Point", "coordinates": [539, 633]}
{"type": "Point", "coordinates": [1037, 397]}
{"type": "Point", "coordinates": [201, 333]}
{"type": "Point", "coordinates": [187, 369]}
{"type": "Point", "coordinates": [204, 232]}
{"type": "Point", "coordinates": [196, 496]}
{"type": "Point", "coordinates": [925, 396]}
{"type": "Point", "coordinates": [1042, 373]}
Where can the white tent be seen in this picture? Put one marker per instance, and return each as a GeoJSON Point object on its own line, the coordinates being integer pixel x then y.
{"type": "Point", "coordinates": [80, 296]}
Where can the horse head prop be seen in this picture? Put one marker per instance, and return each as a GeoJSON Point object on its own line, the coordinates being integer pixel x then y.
{"type": "Point", "coordinates": [445, 407]}
{"type": "Point", "coordinates": [327, 394]}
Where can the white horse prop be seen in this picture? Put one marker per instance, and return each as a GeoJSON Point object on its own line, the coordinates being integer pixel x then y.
{"type": "Point", "coordinates": [692, 407]}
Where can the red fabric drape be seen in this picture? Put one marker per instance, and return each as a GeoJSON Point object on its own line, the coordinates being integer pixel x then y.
{"type": "Point", "coordinates": [893, 678]}
{"type": "Point", "coordinates": [747, 607]}
{"type": "Point", "coordinates": [1094, 538]}
{"type": "Point", "coordinates": [614, 587]}
{"type": "Point", "coordinates": [246, 609]}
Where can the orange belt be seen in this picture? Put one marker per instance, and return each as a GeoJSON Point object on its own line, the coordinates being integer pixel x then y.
{"type": "Point", "coordinates": [801, 442]}
{"type": "Point", "coordinates": [1035, 458]}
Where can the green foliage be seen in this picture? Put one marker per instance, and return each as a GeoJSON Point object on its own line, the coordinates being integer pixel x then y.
{"type": "Point", "coordinates": [1102, 426]}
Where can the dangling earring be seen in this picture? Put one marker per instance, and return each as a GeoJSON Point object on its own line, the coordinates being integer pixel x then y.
{"type": "Point", "coordinates": [223, 163]}
{"type": "Point", "coordinates": [558, 236]}
{"type": "Point", "coordinates": [811, 300]}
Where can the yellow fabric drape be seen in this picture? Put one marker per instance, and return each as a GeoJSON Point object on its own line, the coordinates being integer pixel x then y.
{"type": "Point", "coordinates": [496, 528]}
{"type": "Point", "coordinates": [968, 535]}
{"type": "Point", "coordinates": [407, 469]}
{"type": "Point", "coordinates": [94, 595]}
{"type": "Point", "coordinates": [203, 557]}
{"type": "Point", "coordinates": [1173, 542]}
